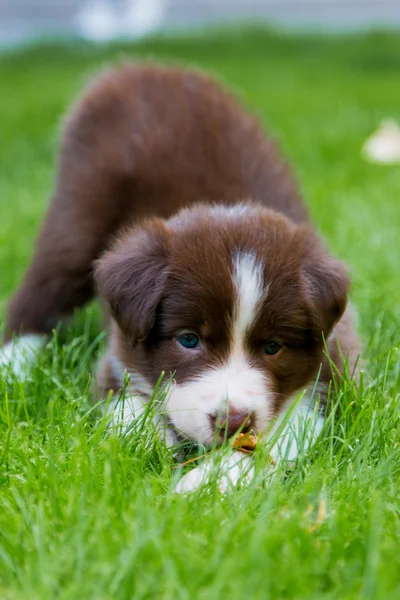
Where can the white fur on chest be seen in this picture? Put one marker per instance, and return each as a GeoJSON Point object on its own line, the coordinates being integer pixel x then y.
{"type": "Point", "coordinates": [125, 411]}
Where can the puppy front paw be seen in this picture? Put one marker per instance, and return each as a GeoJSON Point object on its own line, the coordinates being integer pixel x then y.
{"type": "Point", "coordinates": [227, 472]}
{"type": "Point", "coordinates": [20, 354]}
{"type": "Point", "coordinates": [192, 480]}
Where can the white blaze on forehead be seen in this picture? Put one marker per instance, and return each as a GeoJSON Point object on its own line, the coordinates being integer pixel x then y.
{"type": "Point", "coordinates": [237, 211]}
{"type": "Point", "coordinates": [235, 384]}
{"type": "Point", "coordinates": [248, 277]}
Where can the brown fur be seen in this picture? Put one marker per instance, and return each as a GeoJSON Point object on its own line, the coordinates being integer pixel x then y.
{"type": "Point", "coordinates": [169, 276]}
{"type": "Point", "coordinates": [141, 141]}
{"type": "Point", "coordinates": [144, 143]}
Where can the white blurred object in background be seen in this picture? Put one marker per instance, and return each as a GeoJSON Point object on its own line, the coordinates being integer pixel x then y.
{"type": "Point", "coordinates": [383, 146]}
{"type": "Point", "coordinates": [143, 17]}
{"type": "Point", "coordinates": [102, 20]}
{"type": "Point", "coordinates": [98, 20]}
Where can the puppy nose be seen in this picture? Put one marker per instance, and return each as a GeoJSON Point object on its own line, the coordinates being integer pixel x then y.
{"type": "Point", "coordinates": [233, 421]}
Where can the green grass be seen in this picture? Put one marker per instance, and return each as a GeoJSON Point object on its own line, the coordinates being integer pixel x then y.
{"type": "Point", "coordinates": [85, 514]}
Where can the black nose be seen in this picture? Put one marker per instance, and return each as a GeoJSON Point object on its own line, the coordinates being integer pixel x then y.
{"type": "Point", "coordinates": [229, 423]}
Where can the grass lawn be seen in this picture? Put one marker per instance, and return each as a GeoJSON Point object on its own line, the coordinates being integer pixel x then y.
{"type": "Point", "coordinates": [89, 515]}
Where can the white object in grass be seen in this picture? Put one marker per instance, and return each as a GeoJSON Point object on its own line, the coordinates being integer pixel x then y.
{"type": "Point", "coordinates": [383, 146]}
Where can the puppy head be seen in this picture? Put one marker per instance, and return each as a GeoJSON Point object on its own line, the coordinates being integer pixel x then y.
{"type": "Point", "coordinates": [234, 301]}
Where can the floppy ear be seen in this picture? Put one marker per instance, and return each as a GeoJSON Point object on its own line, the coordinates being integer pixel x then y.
{"type": "Point", "coordinates": [327, 286]}
{"type": "Point", "coordinates": [131, 277]}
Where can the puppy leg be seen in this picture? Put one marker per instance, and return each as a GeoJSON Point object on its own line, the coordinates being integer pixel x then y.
{"type": "Point", "coordinates": [59, 278]}
{"type": "Point", "coordinates": [88, 206]}
{"type": "Point", "coordinates": [57, 281]}
{"type": "Point", "coordinates": [84, 213]}
{"type": "Point", "coordinates": [227, 472]}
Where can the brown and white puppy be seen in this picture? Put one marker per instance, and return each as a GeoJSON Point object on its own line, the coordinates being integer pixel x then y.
{"type": "Point", "coordinates": [175, 206]}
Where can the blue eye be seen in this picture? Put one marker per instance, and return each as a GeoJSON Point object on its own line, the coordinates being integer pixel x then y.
{"type": "Point", "coordinates": [189, 340]}
{"type": "Point", "coordinates": [272, 348]}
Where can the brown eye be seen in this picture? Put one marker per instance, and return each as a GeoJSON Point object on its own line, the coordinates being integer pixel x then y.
{"type": "Point", "coordinates": [272, 348]}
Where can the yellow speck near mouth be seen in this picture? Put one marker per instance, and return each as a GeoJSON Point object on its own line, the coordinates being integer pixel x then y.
{"type": "Point", "coordinates": [245, 441]}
